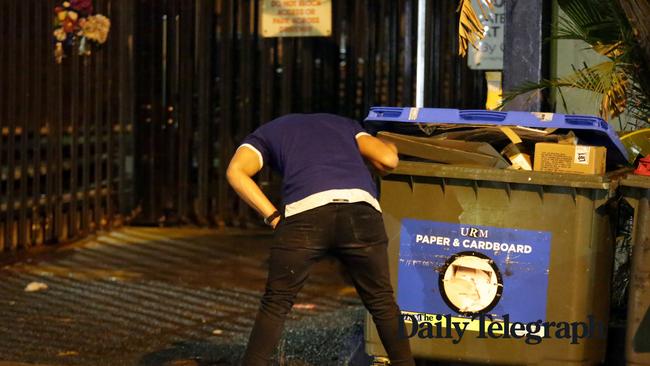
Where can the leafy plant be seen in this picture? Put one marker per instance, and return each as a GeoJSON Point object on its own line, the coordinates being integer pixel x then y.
{"type": "Point", "coordinates": [623, 81]}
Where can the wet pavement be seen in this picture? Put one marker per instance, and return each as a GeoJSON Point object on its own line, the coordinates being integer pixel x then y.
{"type": "Point", "coordinates": [158, 296]}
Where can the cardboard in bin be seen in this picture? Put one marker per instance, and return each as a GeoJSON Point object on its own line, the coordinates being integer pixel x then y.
{"type": "Point", "coordinates": [446, 151]}
{"type": "Point", "coordinates": [566, 158]}
{"type": "Point", "coordinates": [591, 130]}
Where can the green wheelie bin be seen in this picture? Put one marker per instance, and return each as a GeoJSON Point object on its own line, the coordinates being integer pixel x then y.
{"type": "Point", "coordinates": [497, 266]}
{"type": "Point", "coordinates": [502, 247]}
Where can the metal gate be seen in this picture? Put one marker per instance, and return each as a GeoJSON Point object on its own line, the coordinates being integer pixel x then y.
{"type": "Point", "coordinates": [145, 126]}
{"type": "Point", "coordinates": [205, 78]}
{"type": "Point", "coordinates": [65, 130]}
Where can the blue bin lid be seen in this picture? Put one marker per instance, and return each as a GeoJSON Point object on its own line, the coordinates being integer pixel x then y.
{"type": "Point", "coordinates": [590, 129]}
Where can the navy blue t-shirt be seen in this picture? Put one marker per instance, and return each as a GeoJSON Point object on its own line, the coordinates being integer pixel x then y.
{"type": "Point", "coordinates": [314, 153]}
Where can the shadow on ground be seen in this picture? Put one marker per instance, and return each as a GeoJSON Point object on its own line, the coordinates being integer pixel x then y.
{"type": "Point", "coordinates": [332, 339]}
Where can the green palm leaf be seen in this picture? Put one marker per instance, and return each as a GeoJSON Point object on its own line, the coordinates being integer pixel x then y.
{"type": "Point", "coordinates": [622, 82]}
{"type": "Point", "coordinates": [607, 79]}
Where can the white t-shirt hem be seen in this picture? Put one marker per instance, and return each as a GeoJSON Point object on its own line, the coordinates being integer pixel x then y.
{"type": "Point", "coordinates": [330, 196]}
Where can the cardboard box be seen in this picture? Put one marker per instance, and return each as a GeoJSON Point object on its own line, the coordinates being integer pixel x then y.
{"type": "Point", "coordinates": [563, 158]}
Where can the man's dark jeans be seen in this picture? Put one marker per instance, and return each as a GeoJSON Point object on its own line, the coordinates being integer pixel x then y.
{"type": "Point", "coordinates": [353, 232]}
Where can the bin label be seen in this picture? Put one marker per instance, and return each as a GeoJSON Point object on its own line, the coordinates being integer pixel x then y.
{"type": "Point", "coordinates": [465, 270]}
{"type": "Point", "coordinates": [582, 155]}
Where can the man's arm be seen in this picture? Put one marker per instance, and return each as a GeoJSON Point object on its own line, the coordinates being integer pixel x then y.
{"type": "Point", "coordinates": [243, 166]}
{"type": "Point", "coordinates": [381, 154]}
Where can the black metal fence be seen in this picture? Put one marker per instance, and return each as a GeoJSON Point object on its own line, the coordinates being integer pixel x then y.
{"type": "Point", "coordinates": [144, 127]}
{"type": "Point", "coordinates": [205, 78]}
{"type": "Point", "coordinates": [65, 130]}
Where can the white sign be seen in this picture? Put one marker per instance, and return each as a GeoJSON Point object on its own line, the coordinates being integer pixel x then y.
{"type": "Point", "coordinates": [296, 18]}
{"type": "Point", "coordinates": [489, 55]}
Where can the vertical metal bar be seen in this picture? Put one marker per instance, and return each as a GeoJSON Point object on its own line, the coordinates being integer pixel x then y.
{"type": "Point", "coordinates": [407, 94]}
{"type": "Point", "coordinates": [57, 151]}
{"type": "Point", "coordinates": [38, 119]}
{"type": "Point", "coordinates": [150, 110]}
{"type": "Point", "coordinates": [86, 104]}
{"type": "Point", "coordinates": [4, 117]}
{"type": "Point", "coordinates": [126, 102]}
{"type": "Point", "coordinates": [437, 69]}
{"type": "Point", "coordinates": [266, 79]}
{"type": "Point", "coordinates": [381, 66]}
{"type": "Point", "coordinates": [117, 157]}
{"type": "Point", "coordinates": [102, 106]}
{"type": "Point", "coordinates": [419, 91]}
{"type": "Point", "coordinates": [253, 70]}
{"type": "Point", "coordinates": [307, 72]}
{"type": "Point", "coordinates": [360, 43]}
{"type": "Point", "coordinates": [320, 88]}
{"type": "Point", "coordinates": [225, 97]}
{"type": "Point", "coordinates": [349, 71]}
{"type": "Point", "coordinates": [341, 62]}
{"type": "Point", "coordinates": [267, 86]}
{"type": "Point", "coordinates": [369, 39]}
{"type": "Point", "coordinates": [24, 124]}
{"type": "Point", "coordinates": [246, 68]}
{"type": "Point", "coordinates": [112, 111]}
{"type": "Point", "coordinates": [393, 51]}
{"type": "Point", "coordinates": [185, 89]}
{"type": "Point", "coordinates": [51, 119]}
{"type": "Point", "coordinates": [11, 145]}
{"type": "Point", "coordinates": [204, 15]}
{"type": "Point", "coordinates": [74, 132]}
{"type": "Point", "coordinates": [3, 122]}
{"type": "Point", "coordinates": [169, 145]}
{"type": "Point", "coordinates": [287, 62]}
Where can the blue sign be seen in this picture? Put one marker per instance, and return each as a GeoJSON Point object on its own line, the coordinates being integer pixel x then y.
{"type": "Point", "coordinates": [465, 270]}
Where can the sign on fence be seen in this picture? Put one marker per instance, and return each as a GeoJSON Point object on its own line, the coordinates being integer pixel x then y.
{"type": "Point", "coordinates": [296, 18]}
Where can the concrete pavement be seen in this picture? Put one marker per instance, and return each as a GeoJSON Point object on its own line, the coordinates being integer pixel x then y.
{"type": "Point", "coordinates": [153, 296]}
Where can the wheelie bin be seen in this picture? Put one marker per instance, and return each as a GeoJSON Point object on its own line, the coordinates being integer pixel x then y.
{"type": "Point", "coordinates": [478, 256]}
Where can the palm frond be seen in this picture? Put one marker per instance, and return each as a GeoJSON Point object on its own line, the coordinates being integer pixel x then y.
{"type": "Point", "coordinates": [470, 28]}
{"type": "Point", "coordinates": [612, 51]}
{"type": "Point", "coordinates": [600, 23]}
{"type": "Point", "coordinates": [591, 20]}
{"type": "Point", "coordinates": [622, 82]}
{"type": "Point", "coordinates": [615, 98]}
{"type": "Point", "coordinates": [606, 79]}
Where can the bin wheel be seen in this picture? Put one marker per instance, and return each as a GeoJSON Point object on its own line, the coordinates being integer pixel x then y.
{"type": "Point", "coordinates": [380, 361]}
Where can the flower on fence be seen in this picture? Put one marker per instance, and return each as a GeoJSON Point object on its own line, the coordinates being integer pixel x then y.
{"type": "Point", "coordinates": [75, 25]}
{"type": "Point", "coordinates": [96, 28]}
{"type": "Point", "coordinates": [84, 7]}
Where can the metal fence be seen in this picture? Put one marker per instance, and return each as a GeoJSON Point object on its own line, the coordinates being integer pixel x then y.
{"type": "Point", "coordinates": [65, 130]}
{"type": "Point", "coordinates": [145, 126]}
{"type": "Point", "coordinates": [205, 78]}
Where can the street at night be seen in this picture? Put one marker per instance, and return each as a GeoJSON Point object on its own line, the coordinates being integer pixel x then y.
{"type": "Point", "coordinates": [147, 296]}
